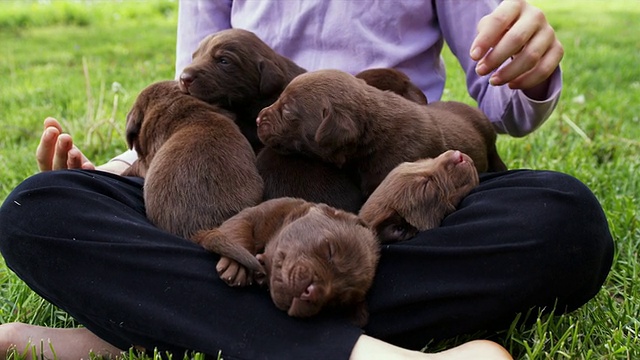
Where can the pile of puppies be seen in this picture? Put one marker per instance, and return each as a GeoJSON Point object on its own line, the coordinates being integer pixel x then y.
{"type": "Point", "coordinates": [284, 215]}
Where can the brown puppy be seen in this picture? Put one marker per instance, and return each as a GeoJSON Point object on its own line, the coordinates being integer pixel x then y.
{"type": "Point", "coordinates": [315, 257]}
{"type": "Point", "coordinates": [237, 71]}
{"type": "Point", "coordinates": [297, 175]}
{"type": "Point", "coordinates": [395, 81]}
{"type": "Point", "coordinates": [416, 196]}
{"type": "Point", "coordinates": [199, 170]}
{"type": "Point", "coordinates": [339, 118]}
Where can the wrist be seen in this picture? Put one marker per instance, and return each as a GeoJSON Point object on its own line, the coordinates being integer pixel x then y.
{"type": "Point", "coordinates": [115, 166]}
{"type": "Point", "coordinates": [539, 92]}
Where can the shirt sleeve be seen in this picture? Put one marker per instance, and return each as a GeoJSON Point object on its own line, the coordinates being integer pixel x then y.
{"type": "Point", "coordinates": [196, 20]}
{"type": "Point", "coordinates": [128, 157]}
{"type": "Point", "coordinates": [511, 111]}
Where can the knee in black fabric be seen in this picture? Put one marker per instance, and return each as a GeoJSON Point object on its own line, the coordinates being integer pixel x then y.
{"type": "Point", "coordinates": [55, 203]}
{"type": "Point", "coordinates": [580, 242]}
{"type": "Point", "coordinates": [521, 240]}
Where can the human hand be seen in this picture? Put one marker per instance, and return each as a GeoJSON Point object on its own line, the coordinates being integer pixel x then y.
{"type": "Point", "coordinates": [520, 31]}
{"type": "Point", "coordinates": [56, 150]}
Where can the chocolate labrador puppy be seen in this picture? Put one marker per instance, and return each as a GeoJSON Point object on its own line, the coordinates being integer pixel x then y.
{"type": "Point", "coordinates": [297, 175]}
{"type": "Point", "coordinates": [237, 71]}
{"type": "Point", "coordinates": [314, 256]}
{"type": "Point", "coordinates": [395, 81]}
{"type": "Point", "coordinates": [340, 119]}
{"type": "Point", "coordinates": [416, 196]}
{"type": "Point", "coordinates": [199, 170]}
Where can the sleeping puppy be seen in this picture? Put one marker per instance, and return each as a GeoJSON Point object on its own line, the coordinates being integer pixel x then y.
{"type": "Point", "coordinates": [312, 256]}
{"type": "Point", "coordinates": [395, 81]}
{"type": "Point", "coordinates": [416, 196]}
{"type": "Point", "coordinates": [237, 71]}
{"type": "Point", "coordinates": [199, 170]}
{"type": "Point", "coordinates": [340, 119]}
{"type": "Point", "coordinates": [297, 175]}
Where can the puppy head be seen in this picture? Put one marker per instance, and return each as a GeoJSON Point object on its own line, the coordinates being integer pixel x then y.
{"type": "Point", "coordinates": [148, 98]}
{"type": "Point", "coordinates": [393, 80]}
{"type": "Point", "coordinates": [232, 67]}
{"type": "Point", "coordinates": [323, 259]}
{"type": "Point", "coordinates": [314, 115]}
{"type": "Point", "coordinates": [416, 196]}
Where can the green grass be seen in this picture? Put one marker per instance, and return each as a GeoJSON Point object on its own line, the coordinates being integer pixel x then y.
{"type": "Point", "coordinates": [84, 62]}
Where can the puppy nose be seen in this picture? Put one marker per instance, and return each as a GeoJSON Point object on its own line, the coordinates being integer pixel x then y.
{"type": "Point", "coordinates": [186, 79]}
{"type": "Point", "coordinates": [311, 293]}
{"type": "Point", "coordinates": [262, 115]}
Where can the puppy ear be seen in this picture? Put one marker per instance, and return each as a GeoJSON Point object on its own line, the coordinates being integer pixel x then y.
{"type": "Point", "coordinates": [134, 123]}
{"type": "Point", "coordinates": [298, 212]}
{"type": "Point", "coordinates": [428, 210]}
{"type": "Point", "coordinates": [394, 228]}
{"type": "Point", "coordinates": [272, 78]}
{"type": "Point", "coordinates": [416, 95]}
{"type": "Point", "coordinates": [336, 130]}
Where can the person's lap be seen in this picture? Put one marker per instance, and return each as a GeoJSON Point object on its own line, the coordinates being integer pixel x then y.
{"type": "Point", "coordinates": [521, 239]}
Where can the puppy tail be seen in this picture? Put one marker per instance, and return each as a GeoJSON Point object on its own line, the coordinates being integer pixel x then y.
{"type": "Point", "coordinates": [217, 242]}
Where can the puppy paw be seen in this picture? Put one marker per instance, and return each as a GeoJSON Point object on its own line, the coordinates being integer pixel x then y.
{"type": "Point", "coordinates": [232, 273]}
{"type": "Point", "coordinates": [260, 277]}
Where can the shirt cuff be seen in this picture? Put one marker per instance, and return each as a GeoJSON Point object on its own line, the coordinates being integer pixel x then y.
{"type": "Point", "coordinates": [553, 91]}
{"type": "Point", "coordinates": [129, 157]}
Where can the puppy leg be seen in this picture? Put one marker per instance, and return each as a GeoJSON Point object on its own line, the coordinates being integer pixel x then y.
{"type": "Point", "coordinates": [231, 240]}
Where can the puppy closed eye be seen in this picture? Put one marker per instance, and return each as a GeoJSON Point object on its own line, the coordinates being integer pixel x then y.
{"type": "Point", "coordinates": [329, 251]}
{"type": "Point", "coordinates": [288, 114]}
{"type": "Point", "coordinates": [429, 184]}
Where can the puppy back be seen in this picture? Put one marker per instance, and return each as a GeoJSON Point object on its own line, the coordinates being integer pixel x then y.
{"type": "Point", "coordinates": [203, 174]}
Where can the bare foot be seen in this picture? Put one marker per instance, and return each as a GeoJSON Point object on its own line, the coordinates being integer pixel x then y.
{"type": "Point", "coordinates": [368, 348]}
{"type": "Point", "coordinates": [34, 342]}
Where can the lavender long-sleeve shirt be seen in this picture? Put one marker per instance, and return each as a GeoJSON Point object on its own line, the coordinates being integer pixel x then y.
{"type": "Point", "coordinates": [354, 35]}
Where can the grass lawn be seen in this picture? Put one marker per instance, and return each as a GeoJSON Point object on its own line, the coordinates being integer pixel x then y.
{"type": "Point", "coordinates": [84, 62]}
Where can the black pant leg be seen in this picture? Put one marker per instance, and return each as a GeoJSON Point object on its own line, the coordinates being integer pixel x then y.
{"type": "Point", "coordinates": [521, 240]}
{"type": "Point", "coordinates": [81, 240]}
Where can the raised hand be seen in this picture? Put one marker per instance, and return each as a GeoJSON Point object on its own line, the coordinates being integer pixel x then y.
{"type": "Point", "coordinates": [56, 150]}
{"type": "Point", "coordinates": [520, 31]}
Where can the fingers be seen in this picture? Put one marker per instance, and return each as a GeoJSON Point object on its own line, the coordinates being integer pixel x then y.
{"type": "Point", "coordinates": [525, 58]}
{"type": "Point", "coordinates": [74, 159]}
{"type": "Point", "coordinates": [521, 32]}
{"type": "Point", "coordinates": [51, 122]}
{"type": "Point", "coordinates": [46, 149]}
{"type": "Point", "coordinates": [62, 148]}
{"type": "Point", "coordinates": [77, 160]}
{"type": "Point", "coordinates": [88, 165]}
{"type": "Point", "coordinates": [540, 72]}
{"type": "Point", "coordinates": [56, 150]}
{"type": "Point", "coordinates": [492, 28]}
